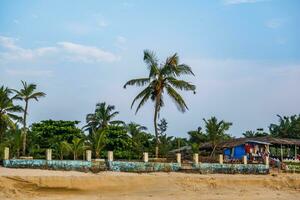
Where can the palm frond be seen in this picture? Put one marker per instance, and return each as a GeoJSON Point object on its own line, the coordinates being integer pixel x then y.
{"type": "Point", "coordinates": [178, 100]}
{"type": "Point", "coordinates": [137, 82]}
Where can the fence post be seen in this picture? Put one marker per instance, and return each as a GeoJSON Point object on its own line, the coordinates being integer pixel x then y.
{"type": "Point", "coordinates": [196, 158]}
{"type": "Point", "coordinates": [110, 155]}
{"type": "Point", "coordinates": [145, 157]}
{"type": "Point", "coordinates": [49, 154]}
{"type": "Point", "coordinates": [88, 155]}
{"type": "Point", "coordinates": [221, 158]}
{"type": "Point", "coordinates": [245, 160]}
{"type": "Point", "coordinates": [267, 161]}
{"type": "Point", "coordinates": [6, 153]}
{"type": "Point", "coordinates": [178, 157]}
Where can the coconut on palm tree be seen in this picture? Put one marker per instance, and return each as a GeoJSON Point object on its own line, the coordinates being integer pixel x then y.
{"type": "Point", "coordinates": [7, 111]}
{"type": "Point", "coordinates": [162, 78]}
{"type": "Point", "coordinates": [27, 93]}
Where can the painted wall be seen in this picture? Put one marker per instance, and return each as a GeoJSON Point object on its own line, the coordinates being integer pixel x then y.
{"type": "Point", "coordinates": [231, 168]}
{"type": "Point", "coordinates": [142, 166]}
{"type": "Point", "coordinates": [49, 164]}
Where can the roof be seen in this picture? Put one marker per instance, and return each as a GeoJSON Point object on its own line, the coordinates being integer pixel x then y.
{"type": "Point", "coordinates": [259, 140]}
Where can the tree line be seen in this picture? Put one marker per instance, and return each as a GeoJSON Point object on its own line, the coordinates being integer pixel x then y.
{"type": "Point", "coordinates": [103, 131]}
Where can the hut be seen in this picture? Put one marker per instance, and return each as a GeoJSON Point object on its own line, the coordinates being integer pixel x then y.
{"type": "Point", "coordinates": [258, 147]}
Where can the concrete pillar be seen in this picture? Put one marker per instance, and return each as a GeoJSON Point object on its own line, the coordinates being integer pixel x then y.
{"type": "Point", "coordinates": [245, 160]}
{"type": "Point", "coordinates": [49, 154]}
{"type": "Point", "coordinates": [221, 158]}
{"type": "Point", "coordinates": [88, 155]}
{"type": "Point", "coordinates": [196, 158]}
{"type": "Point", "coordinates": [267, 161]}
{"type": "Point", "coordinates": [145, 157]}
{"type": "Point", "coordinates": [110, 156]}
{"type": "Point", "coordinates": [6, 153]}
{"type": "Point", "coordinates": [178, 157]}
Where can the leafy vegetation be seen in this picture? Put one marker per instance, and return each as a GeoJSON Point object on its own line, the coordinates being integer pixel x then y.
{"type": "Point", "coordinates": [104, 132]}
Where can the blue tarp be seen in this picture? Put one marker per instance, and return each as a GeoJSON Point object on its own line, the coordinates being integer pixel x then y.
{"type": "Point", "coordinates": [239, 152]}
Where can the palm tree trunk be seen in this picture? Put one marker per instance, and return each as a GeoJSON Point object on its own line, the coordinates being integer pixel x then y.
{"type": "Point", "coordinates": [24, 128]}
{"type": "Point", "coordinates": [75, 155]}
{"type": "Point", "coordinates": [155, 124]}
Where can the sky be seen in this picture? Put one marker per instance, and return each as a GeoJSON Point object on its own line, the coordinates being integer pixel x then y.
{"type": "Point", "coordinates": [245, 55]}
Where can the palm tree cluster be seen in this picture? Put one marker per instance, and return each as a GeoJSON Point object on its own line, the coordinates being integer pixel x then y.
{"type": "Point", "coordinates": [8, 108]}
{"type": "Point", "coordinates": [104, 131]}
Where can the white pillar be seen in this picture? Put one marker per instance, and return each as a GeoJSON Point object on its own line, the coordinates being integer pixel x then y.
{"type": "Point", "coordinates": [110, 155]}
{"type": "Point", "coordinates": [88, 155]}
{"type": "Point", "coordinates": [6, 153]}
{"type": "Point", "coordinates": [245, 160]}
{"type": "Point", "coordinates": [145, 157]}
{"type": "Point", "coordinates": [267, 161]}
{"type": "Point", "coordinates": [178, 157]}
{"type": "Point", "coordinates": [221, 158]}
{"type": "Point", "coordinates": [196, 158]}
{"type": "Point", "coordinates": [49, 154]}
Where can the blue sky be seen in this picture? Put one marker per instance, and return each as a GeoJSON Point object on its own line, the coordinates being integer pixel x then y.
{"type": "Point", "coordinates": [245, 54]}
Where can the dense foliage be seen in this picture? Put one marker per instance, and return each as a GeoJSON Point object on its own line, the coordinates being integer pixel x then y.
{"type": "Point", "coordinates": [103, 132]}
{"type": "Point", "coordinates": [288, 127]}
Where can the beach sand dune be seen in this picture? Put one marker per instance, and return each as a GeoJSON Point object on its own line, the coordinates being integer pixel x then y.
{"type": "Point", "coordinates": [45, 184]}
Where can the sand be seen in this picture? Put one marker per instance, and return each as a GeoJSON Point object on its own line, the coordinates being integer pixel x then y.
{"type": "Point", "coordinates": [45, 185]}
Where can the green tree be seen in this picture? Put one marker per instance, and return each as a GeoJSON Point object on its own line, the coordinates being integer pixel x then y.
{"type": "Point", "coordinates": [98, 141]}
{"type": "Point", "coordinates": [258, 133]}
{"type": "Point", "coordinates": [162, 126]}
{"type": "Point", "coordinates": [288, 127]}
{"type": "Point", "coordinates": [27, 93]}
{"type": "Point", "coordinates": [49, 134]}
{"type": "Point", "coordinates": [162, 78]}
{"type": "Point", "coordinates": [8, 118]}
{"type": "Point", "coordinates": [142, 141]}
{"type": "Point", "coordinates": [216, 131]}
{"type": "Point", "coordinates": [120, 142]}
{"type": "Point", "coordinates": [102, 117]}
{"type": "Point", "coordinates": [76, 147]}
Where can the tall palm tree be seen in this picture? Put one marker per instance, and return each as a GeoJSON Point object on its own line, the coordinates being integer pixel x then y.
{"type": "Point", "coordinates": [162, 78]}
{"type": "Point", "coordinates": [102, 117]}
{"type": "Point", "coordinates": [27, 93]}
{"type": "Point", "coordinates": [7, 110]}
{"type": "Point", "coordinates": [216, 131]}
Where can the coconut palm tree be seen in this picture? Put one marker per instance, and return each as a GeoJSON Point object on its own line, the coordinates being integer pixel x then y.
{"type": "Point", "coordinates": [7, 111]}
{"type": "Point", "coordinates": [76, 147]}
{"type": "Point", "coordinates": [162, 78]}
{"type": "Point", "coordinates": [216, 131]}
{"type": "Point", "coordinates": [27, 93]}
{"type": "Point", "coordinates": [102, 117]}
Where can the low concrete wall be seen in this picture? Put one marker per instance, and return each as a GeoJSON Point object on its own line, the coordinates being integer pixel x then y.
{"type": "Point", "coordinates": [49, 164]}
{"type": "Point", "coordinates": [230, 168]}
{"type": "Point", "coordinates": [120, 166]}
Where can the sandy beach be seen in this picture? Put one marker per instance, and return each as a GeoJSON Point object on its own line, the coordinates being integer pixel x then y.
{"type": "Point", "coordinates": [44, 184]}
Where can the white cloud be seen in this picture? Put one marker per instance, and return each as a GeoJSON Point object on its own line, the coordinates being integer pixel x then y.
{"type": "Point", "coordinates": [232, 2]}
{"type": "Point", "coordinates": [15, 52]}
{"type": "Point", "coordinates": [87, 54]}
{"type": "Point", "coordinates": [69, 50]}
{"type": "Point", "coordinates": [274, 23]}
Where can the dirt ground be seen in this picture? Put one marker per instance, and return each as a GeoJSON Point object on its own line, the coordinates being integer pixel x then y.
{"type": "Point", "coordinates": [45, 185]}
